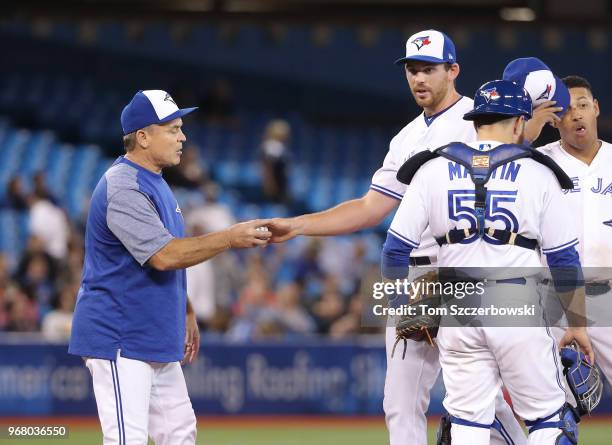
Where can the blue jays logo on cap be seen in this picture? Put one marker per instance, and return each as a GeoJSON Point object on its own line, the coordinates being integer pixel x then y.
{"type": "Point", "coordinates": [169, 98]}
{"type": "Point", "coordinates": [429, 46]}
{"type": "Point", "coordinates": [501, 98]}
{"type": "Point", "coordinates": [420, 42]}
{"type": "Point", "coordinates": [546, 93]}
{"type": "Point", "coordinates": [490, 94]}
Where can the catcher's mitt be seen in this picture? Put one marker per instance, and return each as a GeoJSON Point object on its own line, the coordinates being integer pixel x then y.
{"type": "Point", "coordinates": [420, 326]}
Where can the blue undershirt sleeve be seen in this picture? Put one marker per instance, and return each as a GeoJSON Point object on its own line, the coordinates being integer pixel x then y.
{"type": "Point", "coordinates": [395, 258]}
{"type": "Point", "coordinates": [565, 269]}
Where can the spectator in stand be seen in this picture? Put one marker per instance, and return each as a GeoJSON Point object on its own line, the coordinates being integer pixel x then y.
{"type": "Point", "coordinates": [212, 215]}
{"type": "Point", "coordinates": [210, 284]}
{"type": "Point", "coordinates": [56, 325]}
{"type": "Point", "coordinates": [40, 188]}
{"type": "Point", "coordinates": [190, 173]}
{"type": "Point", "coordinates": [50, 224]}
{"type": "Point", "coordinates": [275, 159]}
{"type": "Point", "coordinates": [346, 260]}
{"type": "Point", "coordinates": [330, 306]}
{"type": "Point", "coordinates": [15, 198]}
{"type": "Point", "coordinates": [73, 266]}
{"type": "Point", "coordinates": [38, 278]}
{"type": "Point", "coordinates": [291, 315]}
{"type": "Point", "coordinates": [22, 310]}
{"type": "Point", "coordinates": [308, 272]}
{"type": "Point", "coordinates": [256, 300]}
{"type": "Point", "coordinates": [350, 323]}
{"type": "Point", "coordinates": [35, 247]}
{"type": "Point", "coordinates": [4, 283]}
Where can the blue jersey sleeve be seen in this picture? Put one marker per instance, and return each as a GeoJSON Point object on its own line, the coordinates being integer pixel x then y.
{"type": "Point", "coordinates": [395, 258]}
{"type": "Point", "coordinates": [565, 269]}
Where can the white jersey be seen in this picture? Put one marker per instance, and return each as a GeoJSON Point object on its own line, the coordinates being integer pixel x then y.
{"type": "Point", "coordinates": [590, 204]}
{"type": "Point", "coordinates": [523, 196]}
{"type": "Point", "coordinates": [423, 133]}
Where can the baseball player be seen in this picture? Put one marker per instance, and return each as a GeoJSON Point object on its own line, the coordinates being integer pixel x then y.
{"type": "Point", "coordinates": [587, 160]}
{"type": "Point", "coordinates": [431, 70]}
{"type": "Point", "coordinates": [487, 218]}
{"type": "Point", "coordinates": [133, 323]}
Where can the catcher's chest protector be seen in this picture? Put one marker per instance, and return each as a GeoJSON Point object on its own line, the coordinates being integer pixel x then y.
{"type": "Point", "coordinates": [480, 165]}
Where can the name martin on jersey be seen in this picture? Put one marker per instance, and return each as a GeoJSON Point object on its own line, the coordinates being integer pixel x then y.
{"type": "Point", "coordinates": [507, 172]}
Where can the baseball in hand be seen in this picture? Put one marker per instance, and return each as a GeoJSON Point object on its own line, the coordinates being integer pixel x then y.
{"type": "Point", "coordinates": [262, 228]}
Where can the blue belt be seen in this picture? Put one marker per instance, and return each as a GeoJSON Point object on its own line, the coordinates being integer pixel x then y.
{"type": "Point", "coordinates": [420, 261]}
{"type": "Point", "coordinates": [520, 281]}
{"type": "Point", "coordinates": [593, 288]}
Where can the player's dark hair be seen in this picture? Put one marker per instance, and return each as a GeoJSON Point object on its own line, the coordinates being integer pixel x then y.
{"type": "Point", "coordinates": [489, 119]}
{"type": "Point", "coordinates": [129, 142]}
{"type": "Point", "coordinates": [577, 82]}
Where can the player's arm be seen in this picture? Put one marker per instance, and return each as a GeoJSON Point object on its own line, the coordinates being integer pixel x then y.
{"type": "Point", "coordinates": [559, 245]}
{"type": "Point", "coordinates": [567, 276]}
{"type": "Point", "coordinates": [180, 253]}
{"type": "Point", "coordinates": [347, 217]}
{"type": "Point", "coordinates": [133, 219]}
{"type": "Point", "coordinates": [405, 231]}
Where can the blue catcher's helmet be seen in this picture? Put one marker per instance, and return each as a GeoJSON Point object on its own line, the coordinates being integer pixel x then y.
{"type": "Point", "coordinates": [501, 98]}
{"type": "Point", "coordinates": [583, 379]}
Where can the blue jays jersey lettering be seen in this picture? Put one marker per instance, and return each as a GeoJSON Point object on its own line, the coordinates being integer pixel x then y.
{"type": "Point", "coordinates": [601, 188]}
{"type": "Point", "coordinates": [591, 202]}
{"type": "Point", "coordinates": [123, 304]}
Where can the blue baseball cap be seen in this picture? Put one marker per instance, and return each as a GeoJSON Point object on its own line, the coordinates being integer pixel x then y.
{"type": "Point", "coordinates": [500, 97]}
{"type": "Point", "coordinates": [541, 83]}
{"type": "Point", "coordinates": [150, 107]}
{"type": "Point", "coordinates": [429, 46]}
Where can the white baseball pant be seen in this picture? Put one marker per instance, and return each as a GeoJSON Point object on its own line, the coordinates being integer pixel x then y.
{"type": "Point", "coordinates": [476, 361]}
{"type": "Point", "coordinates": [138, 399]}
{"type": "Point", "coordinates": [408, 384]}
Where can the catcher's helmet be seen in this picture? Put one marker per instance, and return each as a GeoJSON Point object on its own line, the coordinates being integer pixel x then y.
{"type": "Point", "coordinates": [500, 97]}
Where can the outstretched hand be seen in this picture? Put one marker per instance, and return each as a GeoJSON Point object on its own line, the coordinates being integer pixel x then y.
{"type": "Point", "coordinates": [249, 234]}
{"type": "Point", "coordinates": [283, 229]}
